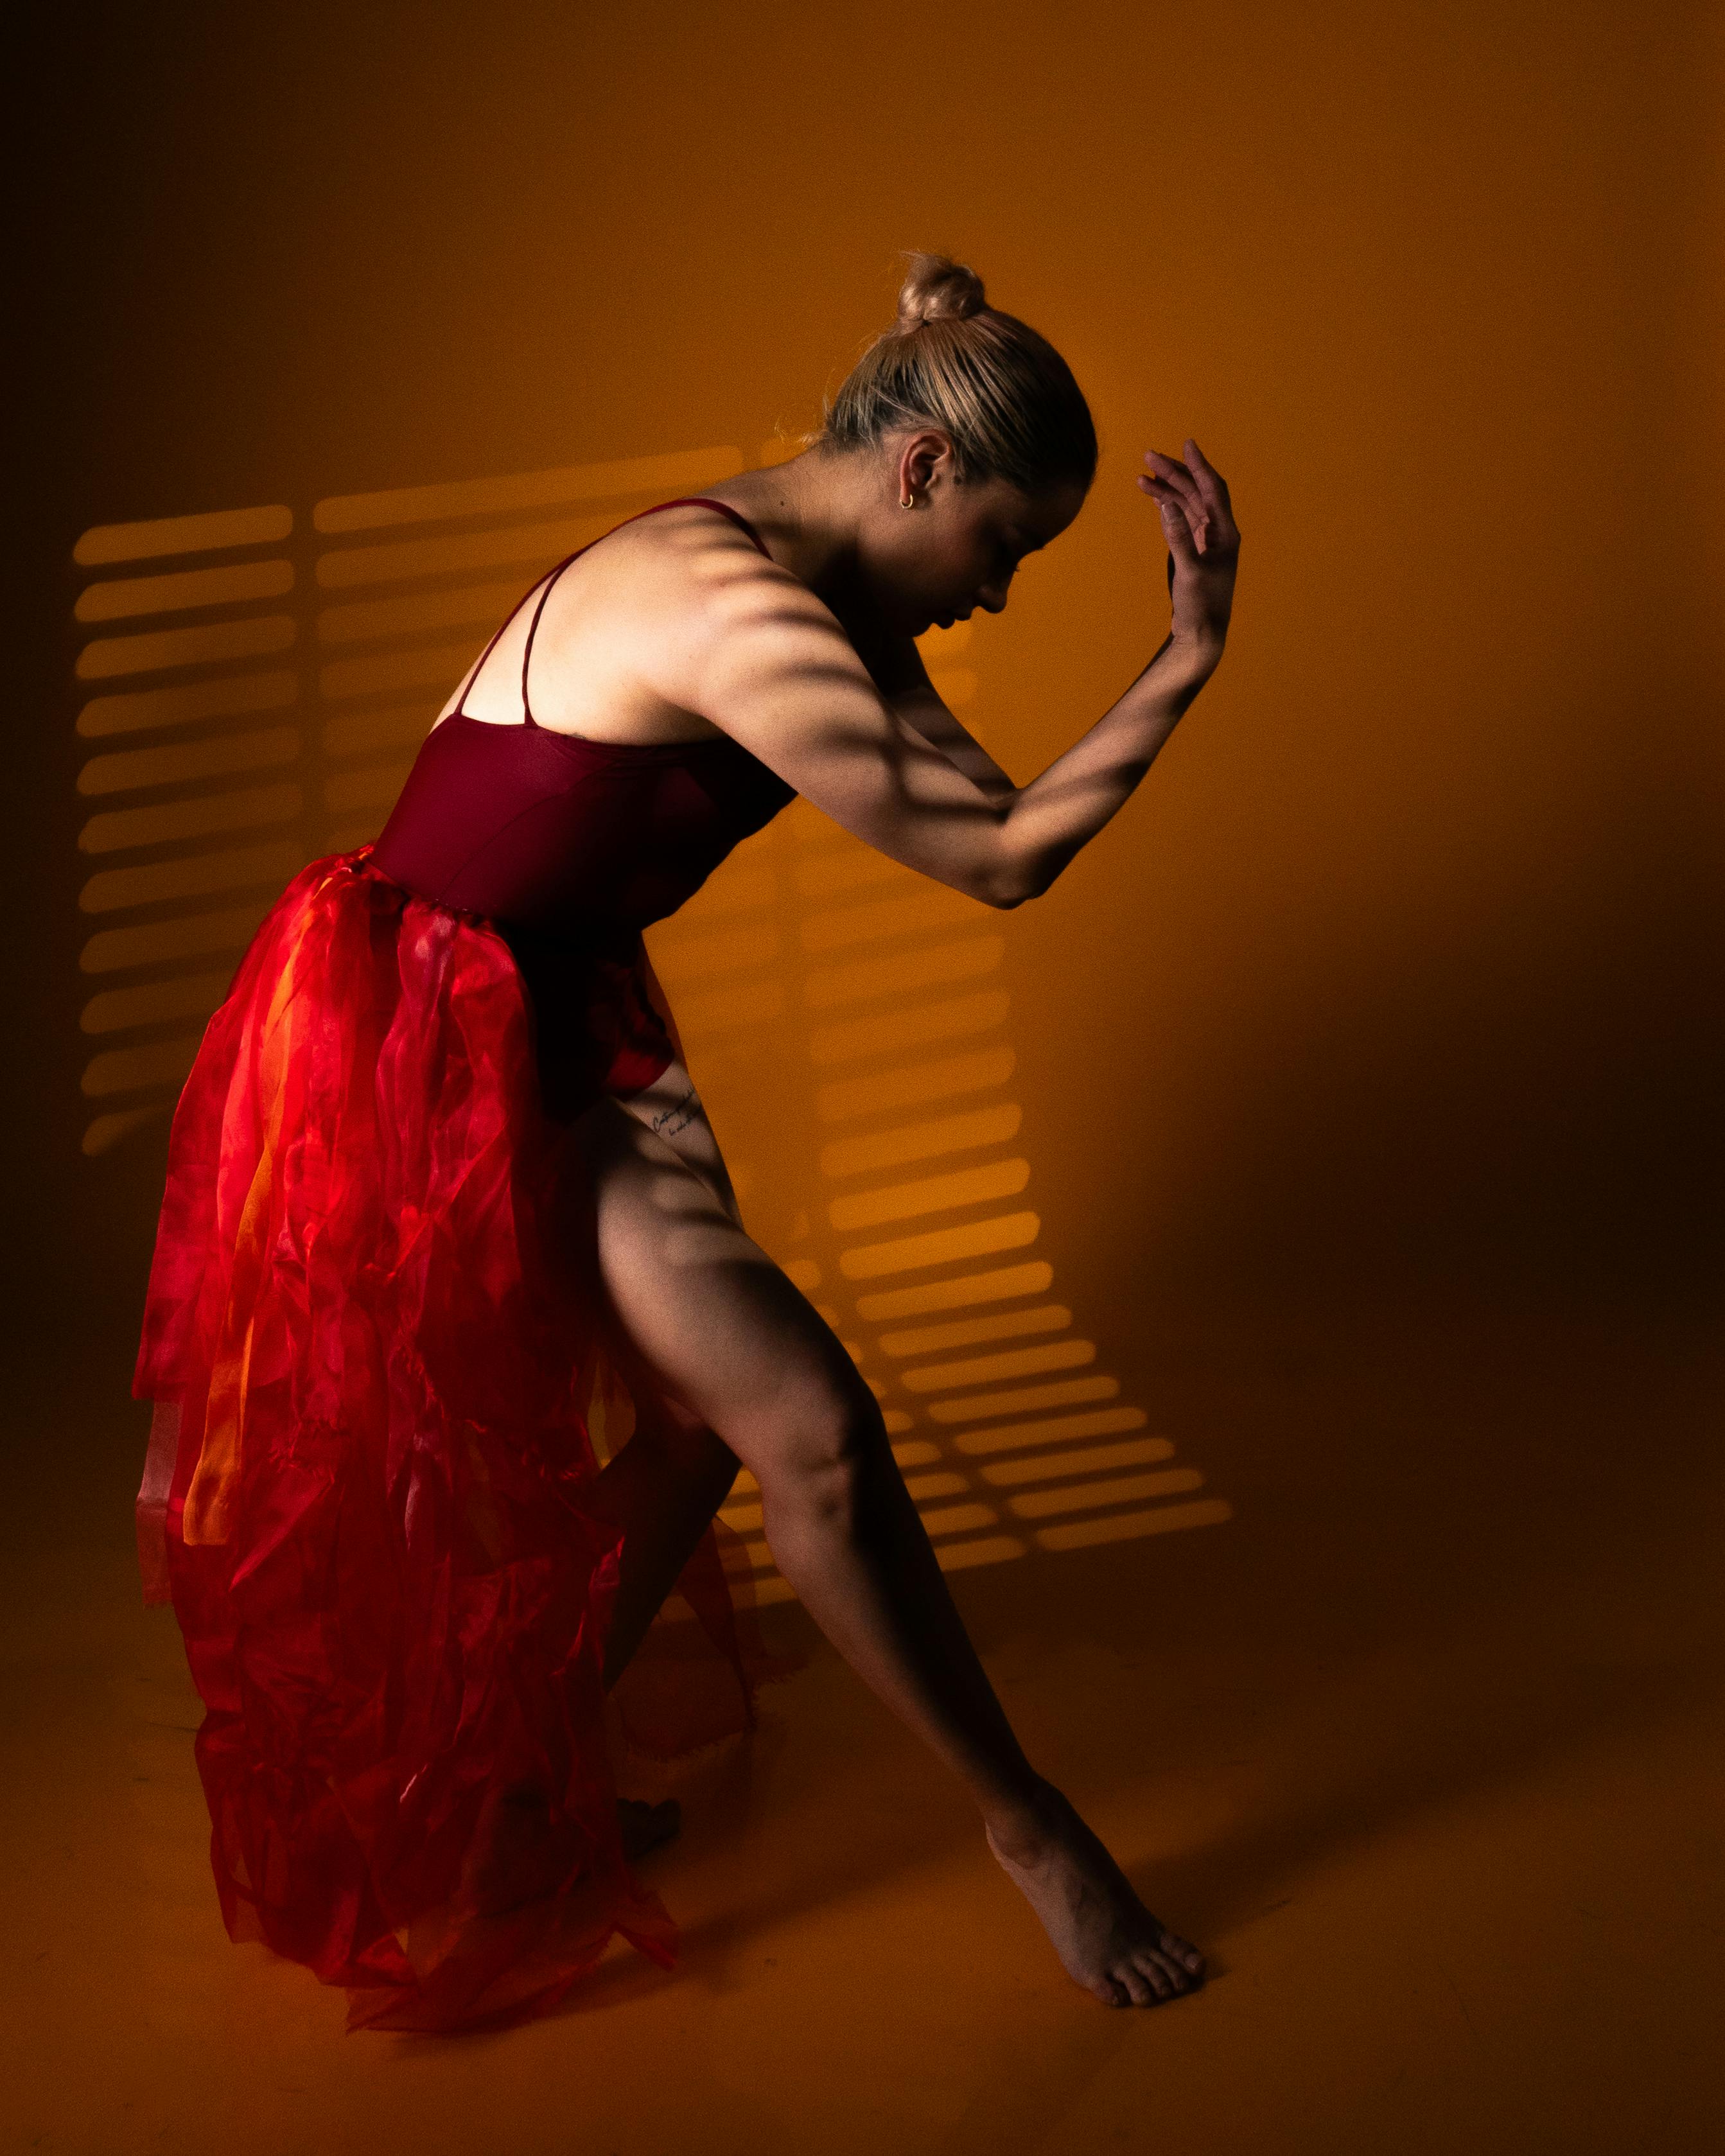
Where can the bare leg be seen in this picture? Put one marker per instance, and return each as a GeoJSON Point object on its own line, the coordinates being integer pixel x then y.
{"type": "Point", "coordinates": [730, 1337]}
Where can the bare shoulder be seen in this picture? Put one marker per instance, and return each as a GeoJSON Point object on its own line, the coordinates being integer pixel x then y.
{"type": "Point", "coordinates": [672, 589]}
{"type": "Point", "coordinates": [630, 626]}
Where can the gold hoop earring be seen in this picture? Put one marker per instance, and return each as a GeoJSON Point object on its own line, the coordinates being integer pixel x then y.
{"type": "Point", "coordinates": [907, 501]}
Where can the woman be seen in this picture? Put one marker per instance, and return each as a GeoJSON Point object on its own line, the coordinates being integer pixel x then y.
{"type": "Point", "coordinates": [441, 1196]}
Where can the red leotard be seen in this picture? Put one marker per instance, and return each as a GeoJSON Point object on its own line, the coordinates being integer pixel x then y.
{"type": "Point", "coordinates": [573, 846]}
{"type": "Point", "coordinates": [378, 1380]}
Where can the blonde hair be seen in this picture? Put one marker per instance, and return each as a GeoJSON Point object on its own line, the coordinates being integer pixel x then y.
{"type": "Point", "coordinates": [1002, 392]}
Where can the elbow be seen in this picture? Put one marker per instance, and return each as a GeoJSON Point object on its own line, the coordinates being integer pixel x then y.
{"type": "Point", "coordinates": [1009, 874]}
{"type": "Point", "coordinates": [1009, 884]}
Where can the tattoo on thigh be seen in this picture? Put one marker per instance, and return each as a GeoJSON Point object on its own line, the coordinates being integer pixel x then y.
{"type": "Point", "coordinates": [678, 1116]}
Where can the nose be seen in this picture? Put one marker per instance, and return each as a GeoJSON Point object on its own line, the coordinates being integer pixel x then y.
{"type": "Point", "coordinates": [993, 600]}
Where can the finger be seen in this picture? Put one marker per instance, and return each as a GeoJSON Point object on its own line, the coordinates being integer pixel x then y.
{"type": "Point", "coordinates": [1177, 532]}
{"type": "Point", "coordinates": [1171, 472]}
{"type": "Point", "coordinates": [1210, 481]}
{"type": "Point", "coordinates": [1199, 518]}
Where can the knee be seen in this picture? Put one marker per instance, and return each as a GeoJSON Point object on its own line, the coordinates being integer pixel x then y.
{"type": "Point", "coordinates": [822, 1448]}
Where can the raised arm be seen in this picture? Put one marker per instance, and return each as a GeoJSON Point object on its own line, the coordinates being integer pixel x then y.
{"type": "Point", "coordinates": [777, 673]}
{"type": "Point", "coordinates": [903, 681]}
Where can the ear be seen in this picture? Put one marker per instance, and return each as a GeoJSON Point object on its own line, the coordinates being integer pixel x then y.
{"type": "Point", "coordinates": [926, 456]}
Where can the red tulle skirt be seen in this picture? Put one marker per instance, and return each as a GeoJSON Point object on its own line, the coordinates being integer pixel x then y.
{"type": "Point", "coordinates": [382, 1395]}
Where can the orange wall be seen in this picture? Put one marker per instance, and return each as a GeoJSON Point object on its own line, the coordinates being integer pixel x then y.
{"type": "Point", "coordinates": [1394, 974]}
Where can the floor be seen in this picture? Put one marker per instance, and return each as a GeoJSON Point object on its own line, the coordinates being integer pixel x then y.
{"type": "Point", "coordinates": [1422, 1745]}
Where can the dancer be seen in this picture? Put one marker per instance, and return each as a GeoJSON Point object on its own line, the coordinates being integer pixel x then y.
{"type": "Point", "coordinates": [442, 1201]}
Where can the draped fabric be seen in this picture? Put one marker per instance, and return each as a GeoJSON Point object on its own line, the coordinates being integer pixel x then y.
{"type": "Point", "coordinates": [378, 1383]}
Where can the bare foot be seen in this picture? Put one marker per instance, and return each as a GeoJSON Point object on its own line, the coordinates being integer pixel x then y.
{"type": "Point", "coordinates": [1106, 1939]}
{"type": "Point", "coordinates": [644, 1826]}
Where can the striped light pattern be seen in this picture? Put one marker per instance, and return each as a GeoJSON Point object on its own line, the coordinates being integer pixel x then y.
{"type": "Point", "coordinates": [254, 685]}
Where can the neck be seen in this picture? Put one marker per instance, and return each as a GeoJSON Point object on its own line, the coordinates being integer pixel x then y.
{"type": "Point", "coordinates": [810, 512]}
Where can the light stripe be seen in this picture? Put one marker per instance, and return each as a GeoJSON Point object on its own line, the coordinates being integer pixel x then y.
{"type": "Point", "coordinates": [917, 1454]}
{"type": "Point", "coordinates": [1008, 1231]}
{"type": "Point", "coordinates": [118, 598]}
{"type": "Point", "coordinates": [958, 1519]}
{"type": "Point", "coordinates": [436, 665]}
{"type": "Point", "coordinates": [145, 709]}
{"type": "Point", "coordinates": [1135, 1452]}
{"type": "Point", "coordinates": [536, 490]}
{"type": "Point", "coordinates": [938, 1193]}
{"type": "Point", "coordinates": [968, 1331]}
{"type": "Point", "coordinates": [156, 942]}
{"type": "Point", "coordinates": [701, 958]}
{"type": "Point", "coordinates": [1123, 1490]}
{"type": "Point", "coordinates": [204, 534]}
{"type": "Point", "coordinates": [914, 1084]}
{"type": "Point", "coordinates": [396, 726]}
{"type": "Point", "coordinates": [932, 967]}
{"type": "Point", "coordinates": [959, 1556]}
{"type": "Point", "coordinates": [892, 1032]}
{"type": "Point", "coordinates": [992, 1369]}
{"type": "Point", "coordinates": [125, 1070]}
{"type": "Point", "coordinates": [201, 876]}
{"type": "Point", "coordinates": [1033, 1279]}
{"type": "Point", "coordinates": [346, 567]}
{"type": "Point", "coordinates": [126, 771]}
{"type": "Point", "coordinates": [414, 614]}
{"type": "Point", "coordinates": [773, 1589]}
{"type": "Point", "coordinates": [981, 1127]}
{"type": "Point", "coordinates": [118, 828]}
{"type": "Point", "coordinates": [923, 1487]}
{"type": "Point", "coordinates": [163, 648]}
{"type": "Point", "coordinates": [1057, 1429]}
{"type": "Point", "coordinates": [1067, 1392]}
{"type": "Point", "coordinates": [1125, 1526]}
{"type": "Point", "coordinates": [105, 1131]}
{"type": "Point", "coordinates": [849, 868]}
{"type": "Point", "coordinates": [937, 908]}
{"type": "Point", "coordinates": [117, 1010]}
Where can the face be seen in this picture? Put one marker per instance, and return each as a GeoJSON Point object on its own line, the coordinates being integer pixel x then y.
{"type": "Point", "coordinates": [960, 547]}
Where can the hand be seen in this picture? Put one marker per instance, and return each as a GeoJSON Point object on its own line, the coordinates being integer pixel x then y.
{"type": "Point", "coordinates": [1203, 543]}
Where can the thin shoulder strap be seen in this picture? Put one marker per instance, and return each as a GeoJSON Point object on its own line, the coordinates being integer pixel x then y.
{"type": "Point", "coordinates": [682, 500]}
{"type": "Point", "coordinates": [479, 665]}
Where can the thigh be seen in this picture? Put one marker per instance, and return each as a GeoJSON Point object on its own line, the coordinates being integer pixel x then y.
{"type": "Point", "coordinates": [720, 1327]}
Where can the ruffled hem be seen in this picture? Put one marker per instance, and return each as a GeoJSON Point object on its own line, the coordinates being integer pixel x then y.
{"type": "Point", "coordinates": [377, 1386]}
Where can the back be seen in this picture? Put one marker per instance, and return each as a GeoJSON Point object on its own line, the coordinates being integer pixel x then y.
{"type": "Point", "coordinates": [554, 830]}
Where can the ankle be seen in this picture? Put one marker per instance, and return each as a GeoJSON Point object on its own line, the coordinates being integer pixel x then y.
{"type": "Point", "coordinates": [1023, 1827]}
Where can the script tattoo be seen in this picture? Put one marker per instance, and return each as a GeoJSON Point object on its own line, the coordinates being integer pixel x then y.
{"type": "Point", "coordinates": [678, 1116]}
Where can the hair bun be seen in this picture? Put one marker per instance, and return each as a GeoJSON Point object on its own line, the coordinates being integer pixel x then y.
{"type": "Point", "coordinates": [938, 289]}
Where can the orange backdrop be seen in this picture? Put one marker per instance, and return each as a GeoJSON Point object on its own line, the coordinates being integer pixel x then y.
{"type": "Point", "coordinates": [1395, 977]}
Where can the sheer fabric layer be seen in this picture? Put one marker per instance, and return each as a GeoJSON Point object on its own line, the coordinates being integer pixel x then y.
{"type": "Point", "coordinates": [377, 1384]}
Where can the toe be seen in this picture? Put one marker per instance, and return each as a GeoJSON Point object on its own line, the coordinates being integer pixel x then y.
{"type": "Point", "coordinates": [1183, 1953]}
{"type": "Point", "coordinates": [1140, 1988]}
{"type": "Point", "coordinates": [1110, 1993]}
{"type": "Point", "coordinates": [1176, 1978]}
{"type": "Point", "coordinates": [1155, 1974]}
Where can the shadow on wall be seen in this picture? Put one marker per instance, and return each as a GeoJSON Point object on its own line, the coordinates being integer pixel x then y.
{"type": "Point", "coordinates": [254, 685]}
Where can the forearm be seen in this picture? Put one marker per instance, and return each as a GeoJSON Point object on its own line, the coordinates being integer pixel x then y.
{"type": "Point", "coordinates": [1047, 822]}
